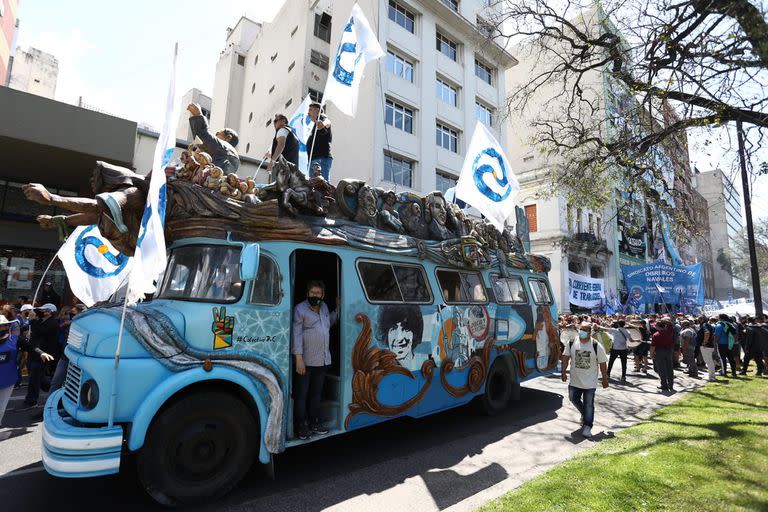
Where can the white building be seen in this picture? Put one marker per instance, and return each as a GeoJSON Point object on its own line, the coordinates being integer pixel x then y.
{"type": "Point", "coordinates": [417, 106]}
{"type": "Point", "coordinates": [183, 131]}
{"type": "Point", "coordinates": [34, 72]}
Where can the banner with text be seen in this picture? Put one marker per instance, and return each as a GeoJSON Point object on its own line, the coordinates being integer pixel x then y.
{"type": "Point", "coordinates": [660, 282]}
{"type": "Point", "coordinates": [585, 292]}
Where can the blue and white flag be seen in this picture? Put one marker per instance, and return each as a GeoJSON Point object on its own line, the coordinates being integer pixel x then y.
{"type": "Point", "coordinates": [150, 258]}
{"type": "Point", "coordinates": [660, 289]}
{"type": "Point", "coordinates": [301, 125]}
{"type": "Point", "coordinates": [95, 269]}
{"type": "Point", "coordinates": [487, 181]}
{"type": "Point", "coordinates": [358, 46]}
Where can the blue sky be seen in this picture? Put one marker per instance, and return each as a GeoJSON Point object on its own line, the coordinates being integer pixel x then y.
{"type": "Point", "coordinates": [116, 55]}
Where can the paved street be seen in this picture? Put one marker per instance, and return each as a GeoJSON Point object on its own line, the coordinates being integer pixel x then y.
{"type": "Point", "coordinates": [456, 460]}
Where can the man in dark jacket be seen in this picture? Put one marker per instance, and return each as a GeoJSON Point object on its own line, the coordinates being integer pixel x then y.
{"type": "Point", "coordinates": [48, 295]}
{"type": "Point", "coordinates": [755, 337]}
{"type": "Point", "coordinates": [284, 143]}
{"type": "Point", "coordinates": [220, 146]}
{"type": "Point", "coordinates": [43, 347]}
{"type": "Point", "coordinates": [319, 141]}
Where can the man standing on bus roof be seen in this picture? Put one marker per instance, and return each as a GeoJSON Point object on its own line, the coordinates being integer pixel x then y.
{"type": "Point", "coordinates": [319, 141]}
{"type": "Point", "coordinates": [588, 355]}
{"type": "Point", "coordinates": [311, 339]}
{"type": "Point", "coordinates": [221, 145]}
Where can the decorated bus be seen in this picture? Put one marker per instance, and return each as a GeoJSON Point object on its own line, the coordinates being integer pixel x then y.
{"type": "Point", "coordinates": [435, 309]}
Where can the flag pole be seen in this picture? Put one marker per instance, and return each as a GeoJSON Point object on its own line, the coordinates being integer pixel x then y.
{"type": "Point", "coordinates": [113, 395]}
{"type": "Point", "coordinates": [312, 149]}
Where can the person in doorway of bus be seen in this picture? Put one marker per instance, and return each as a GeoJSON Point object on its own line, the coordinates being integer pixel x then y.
{"type": "Point", "coordinates": [284, 143]}
{"type": "Point", "coordinates": [662, 345]}
{"type": "Point", "coordinates": [43, 347]}
{"type": "Point", "coordinates": [319, 141]}
{"type": "Point", "coordinates": [312, 323]}
{"type": "Point", "coordinates": [588, 356]}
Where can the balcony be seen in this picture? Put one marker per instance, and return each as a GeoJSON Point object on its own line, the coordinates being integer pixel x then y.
{"type": "Point", "coordinates": [587, 244]}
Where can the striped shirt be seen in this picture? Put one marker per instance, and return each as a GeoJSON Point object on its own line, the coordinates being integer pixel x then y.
{"type": "Point", "coordinates": [311, 333]}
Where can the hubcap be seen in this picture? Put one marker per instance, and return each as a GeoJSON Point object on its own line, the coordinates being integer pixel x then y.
{"type": "Point", "coordinates": [200, 451]}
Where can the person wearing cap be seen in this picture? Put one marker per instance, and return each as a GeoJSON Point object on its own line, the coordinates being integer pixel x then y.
{"type": "Point", "coordinates": [43, 347]}
{"type": "Point", "coordinates": [284, 143]}
{"type": "Point", "coordinates": [220, 146]}
{"type": "Point", "coordinates": [588, 356]}
{"type": "Point", "coordinates": [7, 363]}
{"type": "Point", "coordinates": [319, 141]}
{"type": "Point", "coordinates": [48, 295]}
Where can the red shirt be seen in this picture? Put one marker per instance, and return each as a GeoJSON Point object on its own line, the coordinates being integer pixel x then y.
{"type": "Point", "coordinates": [662, 339]}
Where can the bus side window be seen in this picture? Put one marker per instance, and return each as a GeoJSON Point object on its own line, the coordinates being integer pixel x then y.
{"type": "Point", "coordinates": [386, 282]}
{"type": "Point", "coordinates": [461, 287]}
{"type": "Point", "coordinates": [540, 291]}
{"type": "Point", "coordinates": [509, 289]}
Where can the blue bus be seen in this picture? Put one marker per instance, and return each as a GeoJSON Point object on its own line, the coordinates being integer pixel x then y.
{"type": "Point", "coordinates": [205, 378]}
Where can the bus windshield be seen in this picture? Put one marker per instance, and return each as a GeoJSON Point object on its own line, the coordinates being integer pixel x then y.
{"type": "Point", "coordinates": [203, 273]}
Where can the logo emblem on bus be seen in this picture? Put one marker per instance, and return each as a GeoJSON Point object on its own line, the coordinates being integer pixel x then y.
{"type": "Point", "coordinates": [116, 262]}
{"type": "Point", "coordinates": [223, 327]}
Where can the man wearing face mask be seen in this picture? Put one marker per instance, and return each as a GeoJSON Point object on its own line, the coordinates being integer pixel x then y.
{"type": "Point", "coordinates": [312, 323]}
{"type": "Point", "coordinates": [588, 355]}
{"type": "Point", "coordinates": [43, 349]}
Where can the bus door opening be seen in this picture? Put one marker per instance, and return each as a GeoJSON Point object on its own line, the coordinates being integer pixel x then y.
{"type": "Point", "coordinates": [309, 265]}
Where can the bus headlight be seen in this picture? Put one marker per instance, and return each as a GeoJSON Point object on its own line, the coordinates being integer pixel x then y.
{"type": "Point", "coordinates": [89, 395]}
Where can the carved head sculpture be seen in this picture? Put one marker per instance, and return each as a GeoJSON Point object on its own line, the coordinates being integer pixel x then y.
{"type": "Point", "coordinates": [390, 198]}
{"type": "Point", "coordinates": [366, 200]}
{"type": "Point", "coordinates": [437, 207]}
{"type": "Point", "coordinates": [110, 178]}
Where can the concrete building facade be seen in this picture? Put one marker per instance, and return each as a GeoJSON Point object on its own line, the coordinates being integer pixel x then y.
{"type": "Point", "coordinates": [9, 27]}
{"type": "Point", "coordinates": [417, 106]}
{"type": "Point", "coordinates": [725, 224]}
{"type": "Point", "coordinates": [35, 72]}
{"type": "Point", "coordinates": [183, 131]}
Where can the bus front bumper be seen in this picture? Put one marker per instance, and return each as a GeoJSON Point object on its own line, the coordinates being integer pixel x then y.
{"type": "Point", "coordinates": [73, 451]}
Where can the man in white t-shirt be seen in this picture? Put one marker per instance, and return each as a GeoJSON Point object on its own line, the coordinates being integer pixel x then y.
{"type": "Point", "coordinates": [588, 355]}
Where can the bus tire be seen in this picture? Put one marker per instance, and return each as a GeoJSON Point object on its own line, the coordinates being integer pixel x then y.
{"type": "Point", "coordinates": [498, 388]}
{"type": "Point", "coordinates": [198, 449]}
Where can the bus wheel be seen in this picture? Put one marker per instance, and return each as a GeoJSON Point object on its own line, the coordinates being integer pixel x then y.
{"type": "Point", "coordinates": [197, 449]}
{"type": "Point", "coordinates": [498, 389]}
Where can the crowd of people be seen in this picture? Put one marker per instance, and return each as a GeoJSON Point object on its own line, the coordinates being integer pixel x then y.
{"type": "Point", "coordinates": [32, 340]}
{"type": "Point", "coordinates": [661, 343]}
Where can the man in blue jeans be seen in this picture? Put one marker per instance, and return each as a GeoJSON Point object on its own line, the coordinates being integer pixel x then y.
{"type": "Point", "coordinates": [319, 141]}
{"type": "Point", "coordinates": [588, 355]}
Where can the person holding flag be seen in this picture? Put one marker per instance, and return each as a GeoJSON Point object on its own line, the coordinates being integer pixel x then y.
{"type": "Point", "coordinates": [319, 141]}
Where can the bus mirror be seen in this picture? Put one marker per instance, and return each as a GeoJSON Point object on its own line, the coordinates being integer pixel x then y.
{"type": "Point", "coordinates": [249, 262]}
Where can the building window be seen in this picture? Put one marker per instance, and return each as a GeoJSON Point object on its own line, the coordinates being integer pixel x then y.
{"type": "Point", "coordinates": [483, 72]}
{"type": "Point", "coordinates": [315, 95]}
{"type": "Point", "coordinates": [272, 58]}
{"type": "Point", "coordinates": [269, 122]}
{"type": "Point", "coordinates": [597, 229]}
{"type": "Point", "coordinates": [293, 64]}
{"type": "Point", "coordinates": [288, 103]}
{"type": "Point", "coordinates": [484, 114]}
{"type": "Point", "coordinates": [323, 27]}
{"type": "Point", "coordinates": [318, 59]}
{"type": "Point", "coordinates": [250, 117]}
{"type": "Point", "coordinates": [402, 16]}
{"type": "Point", "coordinates": [453, 4]}
{"type": "Point", "coordinates": [591, 220]}
{"type": "Point", "coordinates": [530, 214]}
{"type": "Point", "coordinates": [484, 28]}
{"type": "Point", "coordinates": [579, 223]}
{"type": "Point", "coordinates": [447, 47]}
{"type": "Point", "coordinates": [271, 89]}
{"type": "Point", "coordinates": [398, 170]}
{"type": "Point", "coordinates": [248, 147]}
{"type": "Point", "coordinates": [293, 32]}
{"type": "Point", "coordinates": [446, 92]}
{"type": "Point", "coordinates": [399, 116]}
{"type": "Point", "coordinates": [447, 138]}
{"type": "Point", "coordinates": [399, 66]}
{"type": "Point", "coordinates": [253, 88]}
{"type": "Point", "coordinates": [444, 181]}
{"type": "Point", "coordinates": [241, 60]}
{"type": "Point", "coordinates": [255, 60]}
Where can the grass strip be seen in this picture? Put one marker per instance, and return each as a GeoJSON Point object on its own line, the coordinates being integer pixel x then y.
{"type": "Point", "coordinates": [705, 452]}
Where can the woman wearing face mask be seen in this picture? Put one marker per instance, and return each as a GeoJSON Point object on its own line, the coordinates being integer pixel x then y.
{"type": "Point", "coordinates": [588, 355]}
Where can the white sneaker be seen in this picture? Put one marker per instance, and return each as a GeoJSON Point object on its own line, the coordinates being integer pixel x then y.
{"type": "Point", "coordinates": [586, 431]}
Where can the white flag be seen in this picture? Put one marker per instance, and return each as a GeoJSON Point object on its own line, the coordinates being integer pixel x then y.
{"type": "Point", "coordinates": [487, 181]}
{"type": "Point", "coordinates": [358, 46]}
{"type": "Point", "coordinates": [95, 269]}
{"type": "Point", "coordinates": [301, 125]}
{"type": "Point", "coordinates": [150, 258]}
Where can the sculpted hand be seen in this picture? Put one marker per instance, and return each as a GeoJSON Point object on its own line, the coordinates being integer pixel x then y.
{"type": "Point", "coordinates": [45, 221]}
{"type": "Point", "coordinates": [194, 109]}
{"type": "Point", "coordinates": [37, 193]}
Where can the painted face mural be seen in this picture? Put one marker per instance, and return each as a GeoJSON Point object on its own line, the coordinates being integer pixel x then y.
{"type": "Point", "coordinates": [400, 331]}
